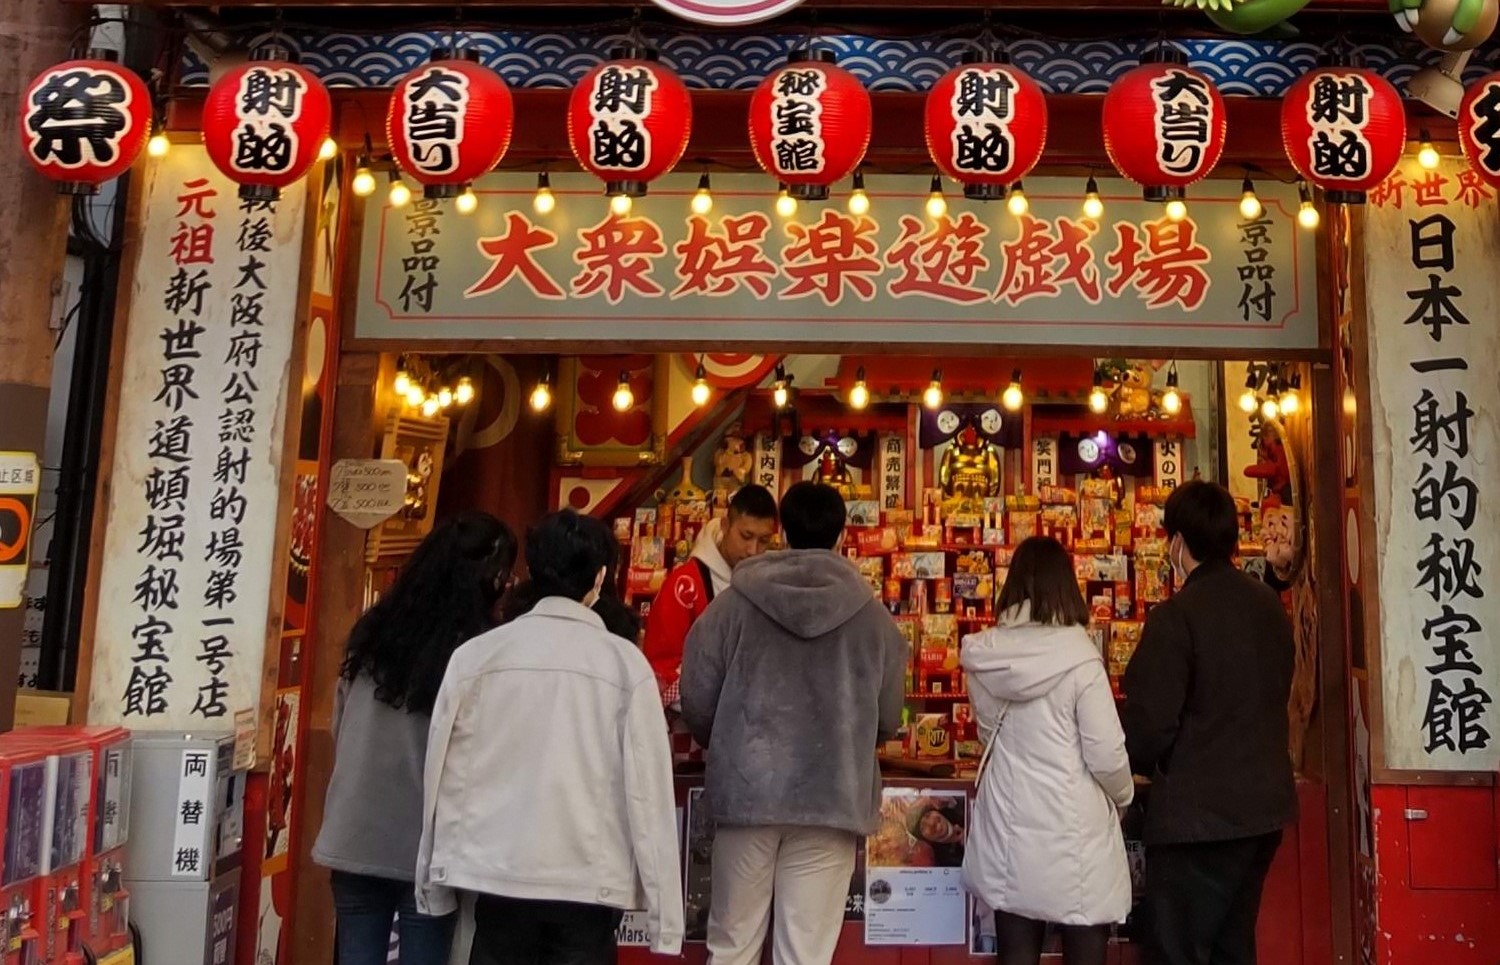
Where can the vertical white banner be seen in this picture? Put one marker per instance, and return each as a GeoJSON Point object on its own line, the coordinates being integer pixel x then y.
{"type": "Point", "coordinates": [1043, 462]}
{"type": "Point", "coordinates": [768, 463]}
{"type": "Point", "coordinates": [195, 482]}
{"type": "Point", "coordinates": [1166, 462]}
{"type": "Point", "coordinates": [194, 808]}
{"type": "Point", "coordinates": [1433, 298]}
{"type": "Point", "coordinates": [892, 471]}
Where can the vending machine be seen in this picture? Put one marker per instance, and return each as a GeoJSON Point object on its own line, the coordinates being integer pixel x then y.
{"type": "Point", "coordinates": [183, 853]}
{"type": "Point", "coordinates": [23, 805]}
{"type": "Point", "coordinates": [102, 921]}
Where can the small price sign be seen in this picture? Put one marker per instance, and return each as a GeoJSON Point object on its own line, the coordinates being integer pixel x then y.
{"type": "Point", "coordinates": [367, 492]}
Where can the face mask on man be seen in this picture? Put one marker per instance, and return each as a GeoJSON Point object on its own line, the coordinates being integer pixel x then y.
{"type": "Point", "coordinates": [1175, 551]}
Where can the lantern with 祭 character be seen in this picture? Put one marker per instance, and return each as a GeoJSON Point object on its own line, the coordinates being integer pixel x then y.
{"type": "Point", "coordinates": [1344, 130]}
{"type": "Point", "coordinates": [986, 126]}
{"type": "Point", "coordinates": [264, 123]}
{"type": "Point", "coordinates": [629, 120]}
{"type": "Point", "coordinates": [1164, 125]}
{"type": "Point", "coordinates": [449, 121]}
{"type": "Point", "coordinates": [84, 122]}
{"type": "Point", "coordinates": [1479, 127]}
{"type": "Point", "coordinates": [810, 123]}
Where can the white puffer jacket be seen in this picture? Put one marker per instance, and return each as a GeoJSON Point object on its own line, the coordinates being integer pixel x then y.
{"type": "Point", "coordinates": [1045, 840]}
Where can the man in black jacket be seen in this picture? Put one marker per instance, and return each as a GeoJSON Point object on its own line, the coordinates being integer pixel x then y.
{"type": "Point", "coordinates": [1205, 719]}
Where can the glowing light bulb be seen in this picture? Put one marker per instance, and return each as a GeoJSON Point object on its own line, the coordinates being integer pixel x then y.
{"type": "Point", "coordinates": [1250, 206]}
{"type": "Point", "coordinates": [543, 202]}
{"type": "Point", "coordinates": [624, 399]}
{"type": "Point", "coordinates": [402, 384]}
{"type": "Point", "coordinates": [445, 397]}
{"type": "Point", "coordinates": [859, 203]}
{"type": "Point", "coordinates": [1427, 155]}
{"type": "Point", "coordinates": [541, 397]}
{"type": "Point", "coordinates": [463, 393]}
{"type": "Point", "coordinates": [1098, 400]}
{"type": "Point", "coordinates": [1017, 204]}
{"type": "Point", "coordinates": [1248, 401]}
{"type": "Point", "coordinates": [1013, 398]}
{"type": "Point", "coordinates": [415, 395]}
{"type": "Point", "coordinates": [363, 182]}
{"type": "Point", "coordinates": [937, 205]}
{"type": "Point", "coordinates": [158, 146]}
{"type": "Point", "coordinates": [466, 203]}
{"type": "Point", "coordinates": [328, 150]}
{"type": "Point", "coordinates": [1307, 215]}
{"type": "Point", "coordinates": [1176, 209]}
{"type": "Point", "coordinates": [703, 199]}
{"type": "Point", "coordinates": [932, 397]}
{"type": "Point", "coordinates": [859, 396]}
{"type": "Point", "coordinates": [786, 205]}
{"type": "Point", "coordinates": [620, 204]}
{"type": "Point", "coordinates": [1093, 205]}
{"type": "Point", "coordinates": [1171, 401]}
{"type": "Point", "coordinates": [399, 195]}
{"type": "Point", "coordinates": [430, 406]}
{"type": "Point", "coordinates": [781, 395]}
{"type": "Point", "coordinates": [701, 390]}
{"type": "Point", "coordinates": [1289, 403]}
{"type": "Point", "coordinates": [1269, 408]}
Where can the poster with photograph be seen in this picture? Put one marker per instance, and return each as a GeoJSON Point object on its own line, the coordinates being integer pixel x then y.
{"type": "Point", "coordinates": [914, 894]}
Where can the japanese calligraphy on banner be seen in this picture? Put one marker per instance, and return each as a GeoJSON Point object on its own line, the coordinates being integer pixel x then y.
{"type": "Point", "coordinates": [768, 463]}
{"type": "Point", "coordinates": [195, 482]}
{"type": "Point", "coordinates": [978, 275]}
{"type": "Point", "coordinates": [1044, 461]}
{"type": "Point", "coordinates": [1433, 297]}
{"type": "Point", "coordinates": [892, 476]}
{"type": "Point", "coordinates": [1168, 462]}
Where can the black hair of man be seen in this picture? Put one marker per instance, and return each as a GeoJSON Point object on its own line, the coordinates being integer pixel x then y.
{"type": "Point", "coordinates": [564, 555]}
{"type": "Point", "coordinates": [1204, 514]}
{"type": "Point", "coordinates": [753, 501]}
{"type": "Point", "coordinates": [812, 516]}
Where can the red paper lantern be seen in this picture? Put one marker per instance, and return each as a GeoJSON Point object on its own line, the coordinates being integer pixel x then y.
{"type": "Point", "coordinates": [986, 126]}
{"type": "Point", "coordinates": [84, 122]}
{"type": "Point", "coordinates": [1164, 125]}
{"type": "Point", "coordinates": [264, 123]}
{"type": "Point", "coordinates": [1344, 129]}
{"type": "Point", "coordinates": [1478, 130]}
{"type": "Point", "coordinates": [449, 122]}
{"type": "Point", "coordinates": [810, 123]}
{"type": "Point", "coordinates": [629, 120]}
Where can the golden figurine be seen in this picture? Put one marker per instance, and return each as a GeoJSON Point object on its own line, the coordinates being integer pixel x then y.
{"type": "Point", "coordinates": [833, 472]}
{"type": "Point", "coordinates": [970, 470]}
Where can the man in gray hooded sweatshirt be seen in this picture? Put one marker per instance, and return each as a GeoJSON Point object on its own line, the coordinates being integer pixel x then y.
{"type": "Point", "coordinates": [791, 679]}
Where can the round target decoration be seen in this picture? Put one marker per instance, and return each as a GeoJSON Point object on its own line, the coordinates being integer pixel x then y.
{"type": "Point", "coordinates": [1164, 125]}
{"type": "Point", "coordinates": [629, 120]}
{"type": "Point", "coordinates": [449, 122]}
{"type": "Point", "coordinates": [84, 122]}
{"type": "Point", "coordinates": [1344, 130]}
{"type": "Point", "coordinates": [264, 123]}
{"type": "Point", "coordinates": [986, 127]}
{"type": "Point", "coordinates": [1479, 127]}
{"type": "Point", "coordinates": [731, 370]}
{"type": "Point", "coordinates": [810, 123]}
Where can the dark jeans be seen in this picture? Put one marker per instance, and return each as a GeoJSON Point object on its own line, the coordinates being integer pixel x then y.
{"type": "Point", "coordinates": [1019, 941]}
{"type": "Point", "coordinates": [366, 906]}
{"type": "Point", "coordinates": [515, 931]}
{"type": "Point", "coordinates": [1202, 900]}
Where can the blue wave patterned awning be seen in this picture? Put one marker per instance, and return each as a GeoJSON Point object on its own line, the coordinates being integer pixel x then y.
{"type": "Point", "coordinates": [1252, 68]}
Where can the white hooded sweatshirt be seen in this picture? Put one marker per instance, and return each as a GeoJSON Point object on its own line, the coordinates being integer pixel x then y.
{"type": "Point", "coordinates": [1045, 840]}
{"type": "Point", "coordinates": [707, 550]}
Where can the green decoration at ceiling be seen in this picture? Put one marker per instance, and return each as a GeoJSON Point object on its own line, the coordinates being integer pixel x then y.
{"type": "Point", "coordinates": [1249, 17]}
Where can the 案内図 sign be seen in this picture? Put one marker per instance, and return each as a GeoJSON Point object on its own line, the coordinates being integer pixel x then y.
{"type": "Point", "coordinates": [741, 274]}
{"type": "Point", "coordinates": [1431, 244]}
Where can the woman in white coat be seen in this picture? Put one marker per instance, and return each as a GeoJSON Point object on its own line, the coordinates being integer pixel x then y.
{"type": "Point", "coordinates": [1045, 844]}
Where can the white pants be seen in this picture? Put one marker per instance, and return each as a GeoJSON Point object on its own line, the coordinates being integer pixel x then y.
{"type": "Point", "coordinates": [807, 870]}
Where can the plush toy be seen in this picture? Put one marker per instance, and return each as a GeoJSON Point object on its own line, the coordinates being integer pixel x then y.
{"type": "Point", "coordinates": [733, 460]}
{"type": "Point", "coordinates": [1133, 393]}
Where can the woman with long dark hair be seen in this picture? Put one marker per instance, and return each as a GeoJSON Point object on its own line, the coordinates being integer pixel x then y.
{"type": "Point", "coordinates": [1045, 845]}
{"type": "Point", "coordinates": [393, 666]}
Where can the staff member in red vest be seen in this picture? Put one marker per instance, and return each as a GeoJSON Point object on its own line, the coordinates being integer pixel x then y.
{"type": "Point", "coordinates": [724, 544]}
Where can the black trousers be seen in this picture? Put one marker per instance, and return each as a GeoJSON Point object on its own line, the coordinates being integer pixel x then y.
{"type": "Point", "coordinates": [1020, 941]}
{"type": "Point", "coordinates": [515, 931]}
{"type": "Point", "coordinates": [1202, 900]}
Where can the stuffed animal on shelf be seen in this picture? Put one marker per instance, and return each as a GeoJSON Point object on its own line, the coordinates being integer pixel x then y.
{"type": "Point", "coordinates": [1133, 393]}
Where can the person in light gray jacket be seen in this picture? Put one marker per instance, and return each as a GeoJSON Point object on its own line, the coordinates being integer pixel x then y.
{"type": "Point", "coordinates": [791, 679]}
{"type": "Point", "coordinates": [394, 664]}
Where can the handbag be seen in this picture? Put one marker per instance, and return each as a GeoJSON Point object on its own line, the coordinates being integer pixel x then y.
{"type": "Point", "coordinates": [984, 759]}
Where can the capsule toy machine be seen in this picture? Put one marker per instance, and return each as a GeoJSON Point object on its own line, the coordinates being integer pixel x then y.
{"type": "Point", "coordinates": [61, 909]}
{"type": "Point", "coordinates": [104, 918]}
{"type": "Point", "coordinates": [23, 804]}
